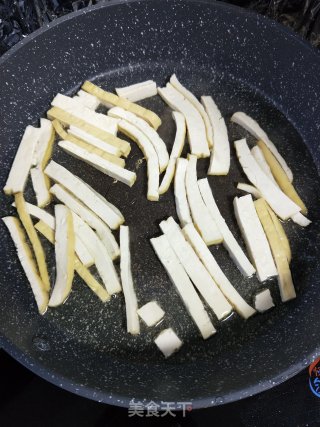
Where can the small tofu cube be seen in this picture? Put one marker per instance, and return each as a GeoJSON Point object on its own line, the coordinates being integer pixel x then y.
{"type": "Point", "coordinates": [263, 301]}
{"type": "Point", "coordinates": [168, 342]}
{"type": "Point", "coordinates": [151, 313]}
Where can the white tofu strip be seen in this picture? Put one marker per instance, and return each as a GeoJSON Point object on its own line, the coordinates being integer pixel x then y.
{"type": "Point", "coordinates": [28, 264]}
{"type": "Point", "coordinates": [150, 154]}
{"type": "Point", "coordinates": [249, 189]}
{"type": "Point", "coordinates": [100, 254]}
{"type": "Point", "coordinates": [102, 230]}
{"type": "Point", "coordinates": [180, 194]}
{"type": "Point", "coordinates": [64, 254]}
{"type": "Point", "coordinates": [229, 241]}
{"type": "Point", "coordinates": [96, 142]}
{"type": "Point", "coordinates": [199, 275]}
{"type": "Point", "coordinates": [196, 129]}
{"type": "Point", "coordinates": [208, 260]}
{"type": "Point", "coordinates": [175, 152]}
{"type": "Point", "coordinates": [253, 127]}
{"type": "Point", "coordinates": [81, 250]}
{"type": "Point", "coordinates": [301, 220]}
{"type": "Point", "coordinates": [74, 107]}
{"type": "Point", "coordinates": [254, 237]}
{"type": "Point", "coordinates": [183, 286]}
{"type": "Point", "coordinates": [138, 91]}
{"type": "Point", "coordinates": [263, 301]}
{"type": "Point", "coordinates": [23, 161]}
{"type": "Point", "coordinates": [259, 157]}
{"type": "Point", "coordinates": [151, 313]}
{"type": "Point", "coordinates": [108, 168]}
{"type": "Point", "coordinates": [201, 216]}
{"type": "Point", "coordinates": [79, 189]}
{"type": "Point", "coordinates": [133, 323]}
{"type": "Point", "coordinates": [82, 270]}
{"type": "Point", "coordinates": [40, 186]}
{"type": "Point", "coordinates": [147, 130]}
{"type": "Point", "coordinates": [88, 100]}
{"type": "Point", "coordinates": [282, 205]}
{"type": "Point", "coordinates": [168, 342]}
{"type": "Point", "coordinates": [194, 101]}
{"type": "Point", "coordinates": [220, 154]}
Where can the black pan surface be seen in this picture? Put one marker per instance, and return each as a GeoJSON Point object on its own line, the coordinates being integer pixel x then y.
{"type": "Point", "coordinates": [245, 62]}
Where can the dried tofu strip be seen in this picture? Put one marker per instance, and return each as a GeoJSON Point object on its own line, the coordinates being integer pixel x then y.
{"type": "Point", "coordinates": [23, 161]}
{"type": "Point", "coordinates": [64, 253]}
{"type": "Point", "coordinates": [263, 301]}
{"type": "Point", "coordinates": [102, 230]}
{"type": "Point", "coordinates": [249, 189]}
{"type": "Point", "coordinates": [87, 146]}
{"type": "Point", "coordinates": [208, 260]}
{"type": "Point", "coordinates": [90, 139]}
{"type": "Point", "coordinates": [282, 205]}
{"type": "Point", "coordinates": [194, 101]}
{"type": "Point", "coordinates": [138, 91]}
{"type": "Point", "coordinates": [195, 269]}
{"type": "Point", "coordinates": [150, 154]}
{"type": "Point", "coordinates": [42, 154]}
{"type": "Point", "coordinates": [79, 189]}
{"type": "Point", "coordinates": [34, 239]}
{"type": "Point", "coordinates": [180, 194]}
{"type": "Point", "coordinates": [108, 168]}
{"type": "Point", "coordinates": [151, 313]}
{"type": "Point", "coordinates": [40, 291]}
{"type": "Point", "coordinates": [183, 286]}
{"type": "Point", "coordinates": [147, 130]}
{"type": "Point", "coordinates": [301, 220]}
{"type": "Point", "coordinates": [49, 220]}
{"type": "Point", "coordinates": [254, 237]}
{"type": "Point", "coordinates": [81, 270]}
{"type": "Point", "coordinates": [196, 129]}
{"type": "Point", "coordinates": [253, 127]}
{"type": "Point", "coordinates": [281, 233]}
{"type": "Point", "coordinates": [229, 241]}
{"type": "Point", "coordinates": [220, 154]}
{"type": "Point", "coordinates": [69, 119]}
{"type": "Point", "coordinates": [281, 177]}
{"type": "Point", "coordinates": [175, 152]}
{"type": "Point", "coordinates": [108, 99]}
{"type": "Point", "coordinates": [285, 282]}
{"type": "Point", "coordinates": [133, 324]}
{"type": "Point", "coordinates": [87, 99]}
{"type": "Point", "coordinates": [75, 108]}
{"type": "Point", "coordinates": [100, 254]}
{"type": "Point", "coordinates": [260, 159]}
{"type": "Point", "coordinates": [202, 219]}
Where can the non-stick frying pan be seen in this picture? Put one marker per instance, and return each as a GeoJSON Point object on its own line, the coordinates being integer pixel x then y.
{"type": "Point", "coordinates": [245, 62]}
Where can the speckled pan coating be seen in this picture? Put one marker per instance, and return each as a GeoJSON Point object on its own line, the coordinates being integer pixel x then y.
{"type": "Point", "coordinates": [247, 63]}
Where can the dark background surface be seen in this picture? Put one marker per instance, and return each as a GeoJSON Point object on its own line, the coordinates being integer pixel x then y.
{"type": "Point", "coordinates": [27, 400]}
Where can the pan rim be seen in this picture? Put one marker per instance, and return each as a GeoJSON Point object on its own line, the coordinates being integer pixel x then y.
{"type": "Point", "coordinates": [115, 399]}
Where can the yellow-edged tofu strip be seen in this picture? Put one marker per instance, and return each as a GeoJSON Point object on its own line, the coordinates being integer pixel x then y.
{"type": "Point", "coordinates": [71, 120]}
{"type": "Point", "coordinates": [22, 162]}
{"type": "Point", "coordinates": [110, 99]}
{"type": "Point", "coordinates": [34, 239]}
{"type": "Point", "coordinates": [281, 233]}
{"type": "Point", "coordinates": [64, 244]}
{"type": "Point", "coordinates": [281, 177]}
{"type": "Point", "coordinates": [108, 168]}
{"type": "Point", "coordinates": [86, 146]}
{"type": "Point", "coordinates": [81, 270]}
{"type": "Point", "coordinates": [28, 264]}
{"type": "Point", "coordinates": [285, 282]}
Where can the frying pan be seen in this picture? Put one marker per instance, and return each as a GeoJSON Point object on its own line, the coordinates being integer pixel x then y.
{"type": "Point", "coordinates": [245, 62]}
